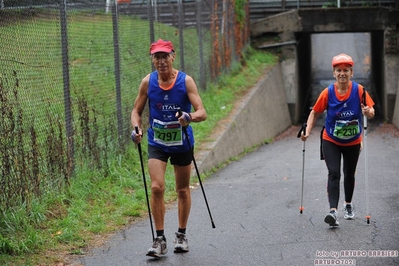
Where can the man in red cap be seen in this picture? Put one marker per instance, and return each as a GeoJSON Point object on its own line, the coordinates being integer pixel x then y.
{"type": "Point", "coordinates": [174, 103]}
{"type": "Point", "coordinates": [346, 103]}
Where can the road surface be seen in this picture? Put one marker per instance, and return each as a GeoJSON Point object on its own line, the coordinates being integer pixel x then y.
{"type": "Point", "coordinates": [255, 206]}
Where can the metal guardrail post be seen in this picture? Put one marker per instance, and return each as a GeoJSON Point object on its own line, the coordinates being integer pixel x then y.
{"type": "Point", "coordinates": [181, 37]}
{"type": "Point", "coordinates": [151, 25]}
{"type": "Point", "coordinates": [202, 81]}
{"type": "Point", "coordinates": [117, 73]}
{"type": "Point", "coordinates": [67, 95]}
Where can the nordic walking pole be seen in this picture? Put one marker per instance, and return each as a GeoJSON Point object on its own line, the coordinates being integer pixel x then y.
{"type": "Point", "coordinates": [366, 175]}
{"type": "Point", "coordinates": [145, 184]}
{"type": "Point", "coordinates": [302, 130]}
{"type": "Point", "coordinates": [196, 169]}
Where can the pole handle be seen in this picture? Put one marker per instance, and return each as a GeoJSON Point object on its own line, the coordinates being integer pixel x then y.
{"type": "Point", "coordinates": [302, 130]}
{"type": "Point", "coordinates": [180, 113]}
{"type": "Point", "coordinates": [136, 128]}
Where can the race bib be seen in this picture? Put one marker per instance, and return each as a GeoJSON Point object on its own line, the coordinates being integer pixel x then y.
{"type": "Point", "coordinates": [167, 133]}
{"type": "Point", "coordinates": [346, 129]}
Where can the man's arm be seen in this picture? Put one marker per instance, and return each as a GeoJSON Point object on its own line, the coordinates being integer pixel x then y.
{"type": "Point", "coordinates": [139, 104]}
{"type": "Point", "coordinates": [199, 113]}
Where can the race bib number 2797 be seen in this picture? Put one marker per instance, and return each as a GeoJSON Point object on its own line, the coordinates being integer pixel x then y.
{"type": "Point", "coordinates": [167, 133]}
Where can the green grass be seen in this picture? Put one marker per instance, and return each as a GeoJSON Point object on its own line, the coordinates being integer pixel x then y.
{"type": "Point", "coordinates": [97, 202]}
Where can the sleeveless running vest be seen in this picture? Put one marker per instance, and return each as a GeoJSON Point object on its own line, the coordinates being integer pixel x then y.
{"type": "Point", "coordinates": [165, 131]}
{"type": "Point", "coordinates": [344, 118]}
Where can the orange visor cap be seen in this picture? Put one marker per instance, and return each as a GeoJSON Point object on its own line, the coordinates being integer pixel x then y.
{"type": "Point", "coordinates": [342, 59]}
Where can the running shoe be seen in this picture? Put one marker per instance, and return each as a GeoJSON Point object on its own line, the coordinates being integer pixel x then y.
{"type": "Point", "coordinates": [181, 243]}
{"type": "Point", "coordinates": [332, 219]}
{"type": "Point", "coordinates": [349, 214]}
{"type": "Point", "coordinates": [158, 247]}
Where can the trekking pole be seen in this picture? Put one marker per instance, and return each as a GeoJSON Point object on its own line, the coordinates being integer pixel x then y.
{"type": "Point", "coordinates": [145, 184]}
{"type": "Point", "coordinates": [302, 130]}
{"type": "Point", "coordinates": [366, 175]}
{"type": "Point", "coordinates": [196, 169]}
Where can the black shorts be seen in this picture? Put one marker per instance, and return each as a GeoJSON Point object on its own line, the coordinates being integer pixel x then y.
{"type": "Point", "coordinates": [180, 159]}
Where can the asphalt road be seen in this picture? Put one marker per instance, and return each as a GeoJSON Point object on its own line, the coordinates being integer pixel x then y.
{"type": "Point", "coordinates": [255, 206]}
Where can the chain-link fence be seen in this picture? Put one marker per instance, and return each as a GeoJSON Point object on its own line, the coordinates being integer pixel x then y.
{"type": "Point", "coordinates": [69, 73]}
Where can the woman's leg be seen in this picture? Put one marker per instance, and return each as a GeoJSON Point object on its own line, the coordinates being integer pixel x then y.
{"type": "Point", "coordinates": [332, 157]}
{"type": "Point", "coordinates": [350, 158]}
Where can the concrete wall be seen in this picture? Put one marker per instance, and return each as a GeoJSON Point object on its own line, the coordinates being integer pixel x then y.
{"type": "Point", "coordinates": [392, 87]}
{"type": "Point", "coordinates": [288, 67]}
{"type": "Point", "coordinates": [394, 82]}
{"type": "Point", "coordinates": [260, 115]}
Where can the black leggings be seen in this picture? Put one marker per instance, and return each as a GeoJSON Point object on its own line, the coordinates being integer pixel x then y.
{"type": "Point", "coordinates": [332, 156]}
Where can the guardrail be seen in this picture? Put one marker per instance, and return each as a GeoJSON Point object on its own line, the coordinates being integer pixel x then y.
{"type": "Point", "coordinates": [263, 8]}
{"type": "Point", "coordinates": [257, 8]}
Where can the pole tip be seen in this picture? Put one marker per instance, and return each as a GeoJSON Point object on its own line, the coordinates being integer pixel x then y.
{"type": "Point", "coordinates": [213, 225]}
{"type": "Point", "coordinates": [301, 209]}
{"type": "Point", "coordinates": [368, 219]}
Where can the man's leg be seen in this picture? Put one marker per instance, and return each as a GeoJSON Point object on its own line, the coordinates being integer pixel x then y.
{"type": "Point", "coordinates": [157, 170]}
{"type": "Point", "coordinates": [157, 173]}
{"type": "Point", "coordinates": [182, 175]}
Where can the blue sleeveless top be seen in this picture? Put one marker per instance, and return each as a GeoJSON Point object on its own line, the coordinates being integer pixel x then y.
{"type": "Point", "coordinates": [344, 118]}
{"type": "Point", "coordinates": [165, 131]}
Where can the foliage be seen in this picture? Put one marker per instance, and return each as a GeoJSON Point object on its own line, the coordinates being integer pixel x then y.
{"type": "Point", "coordinates": [239, 7]}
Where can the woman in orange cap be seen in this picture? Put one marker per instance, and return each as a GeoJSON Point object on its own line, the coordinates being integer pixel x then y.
{"type": "Point", "coordinates": [345, 102]}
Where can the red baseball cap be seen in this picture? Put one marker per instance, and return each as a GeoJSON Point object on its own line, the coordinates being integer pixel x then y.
{"type": "Point", "coordinates": [161, 46]}
{"type": "Point", "coordinates": [342, 59]}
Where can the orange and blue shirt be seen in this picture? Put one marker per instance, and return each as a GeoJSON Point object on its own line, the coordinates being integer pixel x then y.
{"type": "Point", "coordinates": [343, 125]}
